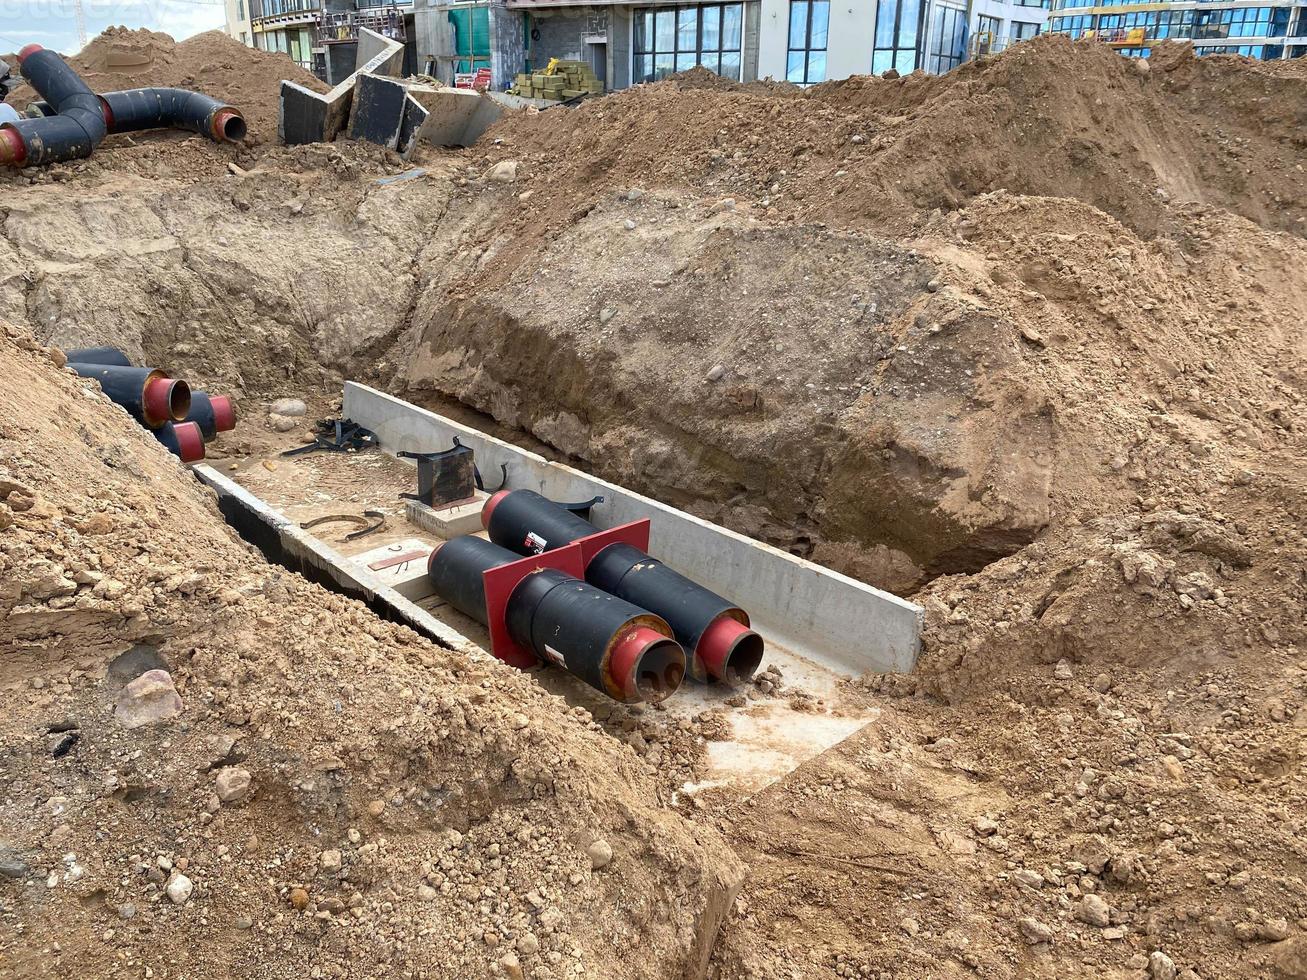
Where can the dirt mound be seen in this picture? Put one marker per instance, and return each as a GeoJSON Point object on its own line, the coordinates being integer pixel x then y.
{"type": "Point", "coordinates": [332, 785]}
{"type": "Point", "coordinates": [212, 63]}
{"type": "Point", "coordinates": [1049, 117]}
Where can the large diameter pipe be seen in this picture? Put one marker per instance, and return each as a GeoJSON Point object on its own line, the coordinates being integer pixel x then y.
{"type": "Point", "coordinates": [148, 394]}
{"type": "Point", "coordinates": [73, 133]}
{"type": "Point", "coordinates": [212, 413]}
{"type": "Point", "coordinates": [99, 355]}
{"type": "Point", "coordinates": [713, 629]}
{"type": "Point", "coordinates": [612, 645]}
{"type": "Point", "coordinates": [183, 439]}
{"type": "Point", "coordinates": [137, 109]}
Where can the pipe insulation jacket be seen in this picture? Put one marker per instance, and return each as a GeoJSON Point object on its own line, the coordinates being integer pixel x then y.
{"type": "Point", "coordinates": [137, 109]}
{"type": "Point", "coordinates": [73, 133]}
{"type": "Point", "coordinates": [712, 629]}
{"type": "Point", "coordinates": [99, 355]}
{"type": "Point", "coordinates": [614, 646]}
{"type": "Point", "coordinates": [149, 395]}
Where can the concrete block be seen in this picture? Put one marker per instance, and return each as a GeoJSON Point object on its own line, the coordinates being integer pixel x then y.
{"type": "Point", "coordinates": [408, 577]}
{"type": "Point", "coordinates": [415, 114]}
{"type": "Point", "coordinates": [455, 116]}
{"type": "Point", "coordinates": [448, 522]}
{"type": "Point", "coordinates": [378, 113]}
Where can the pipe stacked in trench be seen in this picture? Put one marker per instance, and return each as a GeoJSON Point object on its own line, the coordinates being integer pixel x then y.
{"type": "Point", "coordinates": [614, 646]}
{"type": "Point", "coordinates": [713, 630]}
{"type": "Point", "coordinates": [72, 120]}
{"type": "Point", "coordinates": [181, 419]}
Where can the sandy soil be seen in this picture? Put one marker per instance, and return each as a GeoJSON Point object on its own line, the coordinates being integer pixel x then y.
{"type": "Point", "coordinates": [1024, 342]}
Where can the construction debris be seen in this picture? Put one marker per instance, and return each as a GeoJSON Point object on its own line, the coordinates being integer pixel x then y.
{"type": "Point", "coordinates": [561, 80]}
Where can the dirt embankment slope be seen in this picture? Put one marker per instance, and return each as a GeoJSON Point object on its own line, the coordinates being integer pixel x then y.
{"type": "Point", "coordinates": [409, 808]}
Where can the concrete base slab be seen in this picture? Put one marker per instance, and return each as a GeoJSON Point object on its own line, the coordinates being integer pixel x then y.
{"type": "Point", "coordinates": [448, 522]}
{"type": "Point", "coordinates": [401, 566]}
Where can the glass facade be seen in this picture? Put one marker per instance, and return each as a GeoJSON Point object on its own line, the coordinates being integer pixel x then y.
{"type": "Point", "coordinates": [948, 39]}
{"type": "Point", "coordinates": [672, 39]}
{"type": "Point", "coordinates": [1022, 30]}
{"type": "Point", "coordinates": [805, 62]}
{"type": "Point", "coordinates": [1131, 32]}
{"type": "Point", "coordinates": [898, 28]}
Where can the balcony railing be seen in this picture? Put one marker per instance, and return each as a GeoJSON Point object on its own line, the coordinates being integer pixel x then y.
{"type": "Point", "coordinates": [261, 9]}
{"type": "Point", "coordinates": [387, 21]}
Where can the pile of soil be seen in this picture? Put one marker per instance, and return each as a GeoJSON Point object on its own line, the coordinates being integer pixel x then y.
{"type": "Point", "coordinates": [1025, 342]}
{"type": "Point", "coordinates": [212, 63]}
{"type": "Point", "coordinates": [334, 795]}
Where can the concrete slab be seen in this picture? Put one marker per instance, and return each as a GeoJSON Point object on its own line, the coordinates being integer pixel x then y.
{"type": "Point", "coordinates": [408, 576]}
{"type": "Point", "coordinates": [455, 116]}
{"type": "Point", "coordinates": [510, 101]}
{"type": "Point", "coordinates": [378, 54]}
{"type": "Point", "coordinates": [448, 522]}
{"type": "Point", "coordinates": [414, 116]}
{"type": "Point", "coordinates": [283, 541]}
{"type": "Point", "coordinates": [836, 622]}
{"type": "Point", "coordinates": [378, 113]}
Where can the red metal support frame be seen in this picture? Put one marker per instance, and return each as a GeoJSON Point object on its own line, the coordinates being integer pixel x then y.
{"type": "Point", "coordinates": [499, 585]}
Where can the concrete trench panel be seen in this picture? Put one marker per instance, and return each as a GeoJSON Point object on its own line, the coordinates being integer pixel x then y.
{"type": "Point", "coordinates": [377, 54]}
{"type": "Point", "coordinates": [455, 116]}
{"type": "Point", "coordinates": [838, 623]}
{"type": "Point", "coordinates": [307, 117]}
{"type": "Point", "coordinates": [415, 114]}
{"type": "Point", "coordinates": [379, 110]}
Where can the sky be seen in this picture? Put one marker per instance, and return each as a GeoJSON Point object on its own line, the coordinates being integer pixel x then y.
{"type": "Point", "coordinates": [52, 24]}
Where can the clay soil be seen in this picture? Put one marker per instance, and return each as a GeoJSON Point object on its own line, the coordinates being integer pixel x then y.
{"type": "Point", "coordinates": [1023, 343]}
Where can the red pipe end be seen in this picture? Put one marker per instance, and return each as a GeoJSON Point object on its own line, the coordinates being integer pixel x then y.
{"type": "Point", "coordinates": [190, 441]}
{"type": "Point", "coordinates": [12, 151]}
{"type": "Point", "coordinates": [165, 399]}
{"type": "Point", "coordinates": [490, 506]}
{"type": "Point", "coordinates": [31, 49]}
{"type": "Point", "coordinates": [107, 113]}
{"type": "Point", "coordinates": [224, 413]}
{"type": "Point", "coordinates": [228, 126]}
{"type": "Point", "coordinates": [646, 665]}
{"type": "Point", "coordinates": [431, 558]}
{"type": "Point", "coordinates": [729, 650]}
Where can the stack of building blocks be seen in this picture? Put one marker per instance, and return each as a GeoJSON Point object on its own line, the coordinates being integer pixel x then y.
{"type": "Point", "coordinates": [560, 81]}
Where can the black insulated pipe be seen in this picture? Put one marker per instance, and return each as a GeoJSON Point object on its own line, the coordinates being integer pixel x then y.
{"type": "Point", "coordinates": [622, 650]}
{"type": "Point", "coordinates": [99, 355]}
{"type": "Point", "coordinates": [137, 109]}
{"type": "Point", "coordinates": [711, 629]}
{"type": "Point", "coordinates": [72, 134]}
{"type": "Point", "coordinates": [149, 395]}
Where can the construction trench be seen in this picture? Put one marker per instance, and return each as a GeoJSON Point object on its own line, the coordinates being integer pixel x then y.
{"type": "Point", "coordinates": [952, 424]}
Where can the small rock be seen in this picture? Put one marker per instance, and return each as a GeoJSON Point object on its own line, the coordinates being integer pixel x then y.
{"type": "Point", "coordinates": [330, 861]}
{"type": "Point", "coordinates": [1031, 879]}
{"type": "Point", "coordinates": [12, 864]}
{"type": "Point", "coordinates": [1094, 911]}
{"type": "Point", "coordinates": [1035, 931]}
{"type": "Point", "coordinates": [1274, 930]}
{"type": "Point", "coordinates": [126, 911]}
{"type": "Point", "coordinates": [528, 944]}
{"type": "Point", "coordinates": [857, 139]}
{"type": "Point", "coordinates": [281, 423]}
{"type": "Point", "coordinates": [520, 722]}
{"type": "Point", "coordinates": [1032, 336]}
{"type": "Point", "coordinates": [426, 893]}
{"type": "Point", "coordinates": [716, 372]}
{"type": "Point", "coordinates": [292, 407]}
{"type": "Point", "coordinates": [933, 286]}
{"type": "Point", "coordinates": [1161, 966]}
{"type": "Point", "coordinates": [179, 889]}
{"type": "Point", "coordinates": [1141, 66]}
{"type": "Point", "coordinates": [910, 926]}
{"type": "Point", "coordinates": [299, 899]}
{"type": "Point", "coordinates": [1114, 933]}
{"type": "Point", "coordinates": [504, 172]}
{"type": "Point", "coordinates": [600, 854]}
{"type": "Point", "coordinates": [149, 700]}
{"type": "Point", "coordinates": [232, 784]}
{"type": "Point", "coordinates": [634, 194]}
{"type": "Point", "coordinates": [126, 667]}
{"type": "Point", "coordinates": [243, 923]}
{"type": "Point", "coordinates": [985, 827]}
{"type": "Point", "coordinates": [1102, 683]}
{"type": "Point", "coordinates": [725, 204]}
{"type": "Point", "coordinates": [606, 314]}
{"type": "Point", "coordinates": [628, 224]}
{"type": "Point", "coordinates": [511, 966]}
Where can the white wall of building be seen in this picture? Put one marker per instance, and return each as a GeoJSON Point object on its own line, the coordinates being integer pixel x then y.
{"type": "Point", "coordinates": [238, 21]}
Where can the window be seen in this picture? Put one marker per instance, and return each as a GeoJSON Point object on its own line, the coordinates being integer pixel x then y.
{"type": "Point", "coordinates": [1033, 3]}
{"type": "Point", "coordinates": [806, 61]}
{"type": "Point", "coordinates": [898, 27]}
{"type": "Point", "coordinates": [1021, 30]}
{"type": "Point", "coordinates": [672, 39]}
{"type": "Point", "coordinates": [948, 40]}
{"type": "Point", "coordinates": [1073, 26]}
{"type": "Point", "coordinates": [240, 9]}
{"type": "Point", "coordinates": [1241, 22]}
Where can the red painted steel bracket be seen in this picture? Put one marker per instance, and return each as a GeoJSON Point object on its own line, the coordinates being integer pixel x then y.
{"type": "Point", "coordinates": [636, 534]}
{"type": "Point", "coordinates": [499, 585]}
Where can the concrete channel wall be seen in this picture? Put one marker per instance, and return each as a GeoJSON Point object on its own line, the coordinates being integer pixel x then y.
{"type": "Point", "coordinates": [827, 617]}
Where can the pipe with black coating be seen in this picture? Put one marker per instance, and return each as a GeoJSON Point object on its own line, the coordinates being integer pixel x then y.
{"type": "Point", "coordinates": [137, 109]}
{"type": "Point", "coordinates": [212, 413]}
{"type": "Point", "coordinates": [615, 647]}
{"type": "Point", "coordinates": [73, 133]}
{"type": "Point", "coordinates": [148, 394]}
{"type": "Point", "coordinates": [99, 355]}
{"type": "Point", "coordinates": [712, 629]}
{"type": "Point", "coordinates": [183, 439]}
